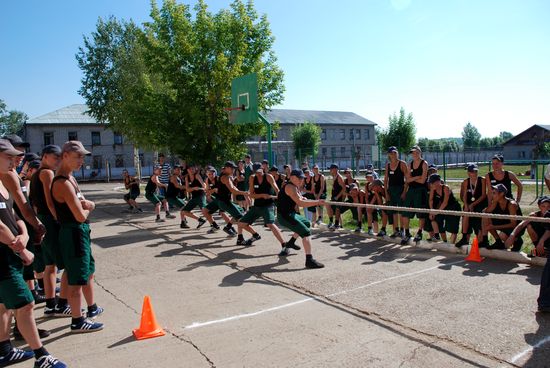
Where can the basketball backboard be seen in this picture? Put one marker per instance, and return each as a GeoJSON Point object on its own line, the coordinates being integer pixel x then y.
{"type": "Point", "coordinates": [244, 99]}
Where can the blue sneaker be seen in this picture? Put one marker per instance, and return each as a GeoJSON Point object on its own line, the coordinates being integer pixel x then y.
{"type": "Point", "coordinates": [48, 361]}
{"type": "Point", "coordinates": [86, 326]}
{"type": "Point", "coordinates": [96, 312]}
{"type": "Point", "coordinates": [15, 356]}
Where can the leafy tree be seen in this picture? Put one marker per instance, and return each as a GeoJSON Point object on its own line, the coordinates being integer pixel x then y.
{"type": "Point", "coordinates": [11, 122]}
{"type": "Point", "coordinates": [401, 132]}
{"type": "Point", "coordinates": [470, 136]}
{"type": "Point", "coordinates": [504, 136]}
{"type": "Point", "coordinates": [165, 84]}
{"type": "Point", "coordinates": [307, 139]}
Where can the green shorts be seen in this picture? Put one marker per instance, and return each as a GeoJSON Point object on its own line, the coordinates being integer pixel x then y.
{"type": "Point", "coordinates": [336, 207]}
{"type": "Point", "coordinates": [51, 250]}
{"type": "Point", "coordinates": [416, 198]}
{"type": "Point", "coordinates": [295, 223]}
{"type": "Point", "coordinates": [131, 195]}
{"type": "Point", "coordinates": [176, 202]}
{"type": "Point", "coordinates": [154, 198]}
{"type": "Point", "coordinates": [395, 198]}
{"type": "Point", "coordinates": [254, 212]}
{"type": "Point", "coordinates": [199, 201]}
{"type": "Point", "coordinates": [231, 208]}
{"type": "Point", "coordinates": [77, 252]}
{"type": "Point", "coordinates": [14, 292]}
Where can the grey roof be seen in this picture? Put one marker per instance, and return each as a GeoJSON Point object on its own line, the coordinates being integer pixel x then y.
{"type": "Point", "coordinates": [72, 114]}
{"type": "Point", "coordinates": [293, 117]}
{"type": "Point", "coordinates": [514, 138]}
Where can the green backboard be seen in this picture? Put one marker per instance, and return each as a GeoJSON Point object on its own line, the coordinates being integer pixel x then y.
{"type": "Point", "coordinates": [244, 99]}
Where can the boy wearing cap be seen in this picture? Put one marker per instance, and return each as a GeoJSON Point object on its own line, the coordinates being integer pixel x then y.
{"type": "Point", "coordinates": [131, 183]}
{"type": "Point", "coordinates": [442, 198]}
{"type": "Point", "coordinates": [370, 198]}
{"type": "Point", "coordinates": [152, 192]}
{"type": "Point", "coordinates": [175, 186]}
{"type": "Point", "coordinates": [499, 228]}
{"type": "Point", "coordinates": [394, 182]}
{"type": "Point", "coordinates": [379, 196]}
{"type": "Point", "coordinates": [535, 229]}
{"type": "Point", "coordinates": [15, 296]}
{"type": "Point", "coordinates": [195, 186]}
{"type": "Point", "coordinates": [417, 196]}
{"type": "Point", "coordinates": [73, 211]}
{"type": "Point", "coordinates": [338, 195]}
{"type": "Point", "coordinates": [473, 194]}
{"type": "Point", "coordinates": [41, 199]}
{"type": "Point", "coordinates": [212, 184]}
{"type": "Point", "coordinates": [504, 177]}
{"type": "Point", "coordinates": [319, 191]}
{"type": "Point", "coordinates": [289, 197]}
{"type": "Point", "coordinates": [355, 195]}
{"type": "Point", "coordinates": [242, 185]}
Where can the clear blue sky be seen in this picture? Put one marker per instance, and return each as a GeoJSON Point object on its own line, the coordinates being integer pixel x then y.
{"type": "Point", "coordinates": [446, 61]}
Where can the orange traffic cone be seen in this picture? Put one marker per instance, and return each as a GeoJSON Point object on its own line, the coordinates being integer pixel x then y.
{"type": "Point", "coordinates": [148, 327]}
{"type": "Point", "coordinates": [474, 252]}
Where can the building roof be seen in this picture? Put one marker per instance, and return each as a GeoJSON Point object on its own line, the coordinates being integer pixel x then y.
{"type": "Point", "coordinates": [518, 136]}
{"type": "Point", "coordinates": [294, 117]}
{"type": "Point", "coordinates": [76, 114]}
{"type": "Point", "coordinates": [72, 114]}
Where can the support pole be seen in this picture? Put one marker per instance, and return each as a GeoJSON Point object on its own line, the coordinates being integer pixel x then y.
{"type": "Point", "coordinates": [269, 134]}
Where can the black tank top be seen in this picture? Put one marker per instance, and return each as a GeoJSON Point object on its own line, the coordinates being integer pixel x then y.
{"type": "Point", "coordinates": [317, 185]}
{"type": "Point", "coordinates": [308, 184]}
{"type": "Point", "coordinates": [505, 180]}
{"type": "Point", "coordinates": [415, 173]}
{"type": "Point", "coordinates": [285, 205]}
{"type": "Point", "coordinates": [396, 178]}
{"type": "Point", "coordinates": [224, 194]}
{"type": "Point", "coordinates": [452, 204]}
{"type": "Point", "coordinates": [502, 211]}
{"type": "Point", "coordinates": [336, 188]}
{"type": "Point", "coordinates": [173, 191]}
{"type": "Point", "coordinates": [196, 183]}
{"type": "Point", "coordinates": [212, 184]}
{"type": "Point", "coordinates": [64, 213]}
{"type": "Point", "coordinates": [473, 193]}
{"type": "Point", "coordinates": [279, 181]}
{"type": "Point", "coordinates": [38, 197]}
{"type": "Point", "coordinates": [262, 188]}
{"type": "Point", "coordinates": [15, 206]}
{"type": "Point", "coordinates": [151, 187]}
{"type": "Point", "coordinates": [7, 258]}
{"type": "Point", "coordinates": [348, 183]}
{"type": "Point", "coordinates": [241, 183]}
{"type": "Point", "coordinates": [134, 187]}
{"type": "Point", "coordinates": [6, 214]}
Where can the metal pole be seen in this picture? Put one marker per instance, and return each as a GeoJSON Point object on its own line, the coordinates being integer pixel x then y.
{"type": "Point", "coordinates": [444, 167]}
{"type": "Point", "coordinates": [269, 134]}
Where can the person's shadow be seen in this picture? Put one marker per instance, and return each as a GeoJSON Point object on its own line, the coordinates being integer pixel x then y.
{"type": "Point", "coordinates": [540, 341]}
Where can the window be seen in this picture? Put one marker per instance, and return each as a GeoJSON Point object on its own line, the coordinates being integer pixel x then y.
{"type": "Point", "coordinates": [117, 139]}
{"type": "Point", "coordinates": [324, 135]}
{"type": "Point", "coordinates": [351, 135]}
{"type": "Point", "coordinates": [96, 139]}
{"type": "Point", "coordinates": [358, 134]}
{"type": "Point", "coordinates": [343, 151]}
{"type": "Point", "coordinates": [73, 136]}
{"type": "Point", "coordinates": [141, 160]}
{"type": "Point", "coordinates": [333, 152]}
{"type": "Point", "coordinates": [48, 138]}
{"type": "Point", "coordinates": [119, 160]}
{"type": "Point", "coordinates": [96, 163]}
{"type": "Point", "coordinates": [343, 134]}
{"type": "Point", "coordinates": [521, 154]}
{"type": "Point", "coordinates": [324, 150]}
{"type": "Point", "coordinates": [367, 134]}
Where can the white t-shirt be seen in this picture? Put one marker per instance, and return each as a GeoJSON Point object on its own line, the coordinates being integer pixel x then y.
{"type": "Point", "coordinates": [547, 173]}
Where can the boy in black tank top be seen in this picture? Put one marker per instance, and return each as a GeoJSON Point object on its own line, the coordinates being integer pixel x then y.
{"type": "Point", "coordinates": [15, 296]}
{"type": "Point", "coordinates": [338, 195]}
{"type": "Point", "coordinates": [131, 183]}
{"type": "Point", "coordinates": [417, 195]}
{"type": "Point", "coordinates": [194, 185]}
{"type": "Point", "coordinates": [501, 176]}
{"type": "Point", "coordinates": [212, 184]}
{"type": "Point", "coordinates": [175, 185]}
{"type": "Point", "coordinates": [535, 229]}
{"type": "Point", "coordinates": [474, 197]}
{"type": "Point", "coordinates": [320, 191]}
{"type": "Point", "coordinates": [73, 211]}
{"type": "Point", "coordinates": [499, 228]}
{"type": "Point", "coordinates": [394, 182]}
{"type": "Point", "coordinates": [442, 198]}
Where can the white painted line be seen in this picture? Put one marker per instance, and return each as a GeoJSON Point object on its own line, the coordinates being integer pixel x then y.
{"type": "Point", "coordinates": [272, 309]}
{"type": "Point", "coordinates": [519, 356]}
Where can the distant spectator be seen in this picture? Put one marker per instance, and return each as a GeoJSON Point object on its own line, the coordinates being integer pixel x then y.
{"type": "Point", "coordinates": [164, 179]}
{"type": "Point", "coordinates": [370, 198]}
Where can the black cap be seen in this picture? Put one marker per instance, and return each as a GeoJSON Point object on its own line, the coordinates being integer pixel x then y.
{"type": "Point", "coordinates": [298, 173]}
{"type": "Point", "coordinates": [369, 173]}
{"type": "Point", "coordinates": [498, 157]}
{"type": "Point", "coordinates": [415, 148]}
{"type": "Point", "coordinates": [432, 166]}
{"type": "Point", "coordinates": [8, 148]}
{"type": "Point", "coordinates": [16, 140]}
{"type": "Point", "coordinates": [353, 186]}
{"type": "Point", "coordinates": [377, 183]}
{"type": "Point", "coordinates": [273, 169]}
{"type": "Point", "coordinates": [51, 148]}
{"type": "Point", "coordinates": [334, 166]}
{"type": "Point", "coordinates": [433, 178]}
{"type": "Point", "coordinates": [247, 156]}
{"type": "Point", "coordinates": [256, 167]}
{"type": "Point", "coordinates": [265, 162]}
{"type": "Point", "coordinates": [543, 199]}
{"type": "Point", "coordinates": [285, 166]}
{"type": "Point", "coordinates": [501, 188]}
{"type": "Point", "coordinates": [31, 156]}
{"type": "Point", "coordinates": [370, 166]}
{"type": "Point", "coordinates": [34, 164]}
{"type": "Point", "coordinates": [392, 149]}
{"type": "Point", "coordinates": [472, 168]}
{"type": "Point", "coordinates": [211, 169]}
{"type": "Point", "coordinates": [230, 164]}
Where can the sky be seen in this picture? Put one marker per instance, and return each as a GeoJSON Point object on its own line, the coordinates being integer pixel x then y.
{"type": "Point", "coordinates": [447, 62]}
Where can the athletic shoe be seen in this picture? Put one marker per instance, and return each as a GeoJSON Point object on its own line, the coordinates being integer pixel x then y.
{"type": "Point", "coordinates": [381, 233]}
{"type": "Point", "coordinates": [48, 361]}
{"type": "Point", "coordinates": [158, 219]}
{"type": "Point", "coordinates": [229, 231]}
{"type": "Point", "coordinates": [293, 246]}
{"type": "Point", "coordinates": [371, 233]}
{"type": "Point", "coordinates": [319, 221]}
{"type": "Point", "coordinates": [405, 240]}
{"type": "Point", "coordinates": [15, 356]}
{"type": "Point", "coordinates": [357, 229]}
{"type": "Point", "coordinates": [311, 263]}
{"type": "Point", "coordinates": [201, 221]}
{"type": "Point", "coordinates": [396, 234]}
{"type": "Point", "coordinates": [212, 230]}
{"type": "Point", "coordinates": [184, 225]}
{"type": "Point", "coordinates": [252, 239]}
{"type": "Point", "coordinates": [241, 241]}
{"type": "Point", "coordinates": [498, 244]}
{"type": "Point", "coordinates": [170, 216]}
{"type": "Point", "coordinates": [433, 239]}
{"type": "Point", "coordinates": [284, 252]}
{"type": "Point", "coordinates": [330, 225]}
{"type": "Point", "coordinates": [17, 335]}
{"type": "Point", "coordinates": [99, 310]}
{"type": "Point", "coordinates": [61, 312]}
{"type": "Point", "coordinates": [462, 242]}
{"type": "Point", "coordinates": [86, 326]}
{"type": "Point", "coordinates": [418, 237]}
{"type": "Point", "coordinates": [39, 298]}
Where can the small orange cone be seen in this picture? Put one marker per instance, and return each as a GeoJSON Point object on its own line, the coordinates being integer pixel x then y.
{"type": "Point", "coordinates": [474, 252]}
{"type": "Point", "coordinates": [148, 327]}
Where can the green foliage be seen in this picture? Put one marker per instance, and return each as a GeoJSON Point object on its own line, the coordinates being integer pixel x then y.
{"type": "Point", "coordinates": [165, 84]}
{"type": "Point", "coordinates": [470, 136]}
{"type": "Point", "coordinates": [11, 122]}
{"type": "Point", "coordinates": [307, 139]}
{"type": "Point", "coordinates": [401, 132]}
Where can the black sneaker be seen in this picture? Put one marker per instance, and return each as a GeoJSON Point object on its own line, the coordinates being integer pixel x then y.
{"type": "Point", "coordinates": [484, 244]}
{"type": "Point", "coordinates": [462, 242]}
{"type": "Point", "coordinates": [202, 221]}
{"type": "Point", "coordinates": [252, 239]}
{"type": "Point", "coordinates": [48, 361]}
{"type": "Point", "coordinates": [498, 244]}
{"type": "Point", "coordinates": [311, 263]}
{"type": "Point", "coordinates": [284, 252]}
{"type": "Point", "coordinates": [93, 314]}
{"type": "Point", "coordinates": [15, 356]}
{"type": "Point", "coordinates": [39, 298]}
{"type": "Point", "coordinates": [241, 241]}
{"type": "Point", "coordinates": [158, 219]}
{"type": "Point", "coordinates": [396, 234]}
{"type": "Point", "coordinates": [184, 225]}
{"type": "Point", "coordinates": [381, 233]}
{"type": "Point", "coordinates": [229, 231]}
{"type": "Point", "coordinates": [405, 239]}
{"type": "Point", "coordinates": [418, 237]}
{"type": "Point", "coordinates": [293, 246]}
{"type": "Point", "coordinates": [17, 335]}
{"type": "Point", "coordinates": [86, 326]}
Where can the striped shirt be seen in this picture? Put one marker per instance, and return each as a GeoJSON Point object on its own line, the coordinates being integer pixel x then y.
{"type": "Point", "coordinates": [164, 176]}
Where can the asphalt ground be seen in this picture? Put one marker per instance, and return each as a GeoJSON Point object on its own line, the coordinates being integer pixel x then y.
{"type": "Point", "coordinates": [375, 304]}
